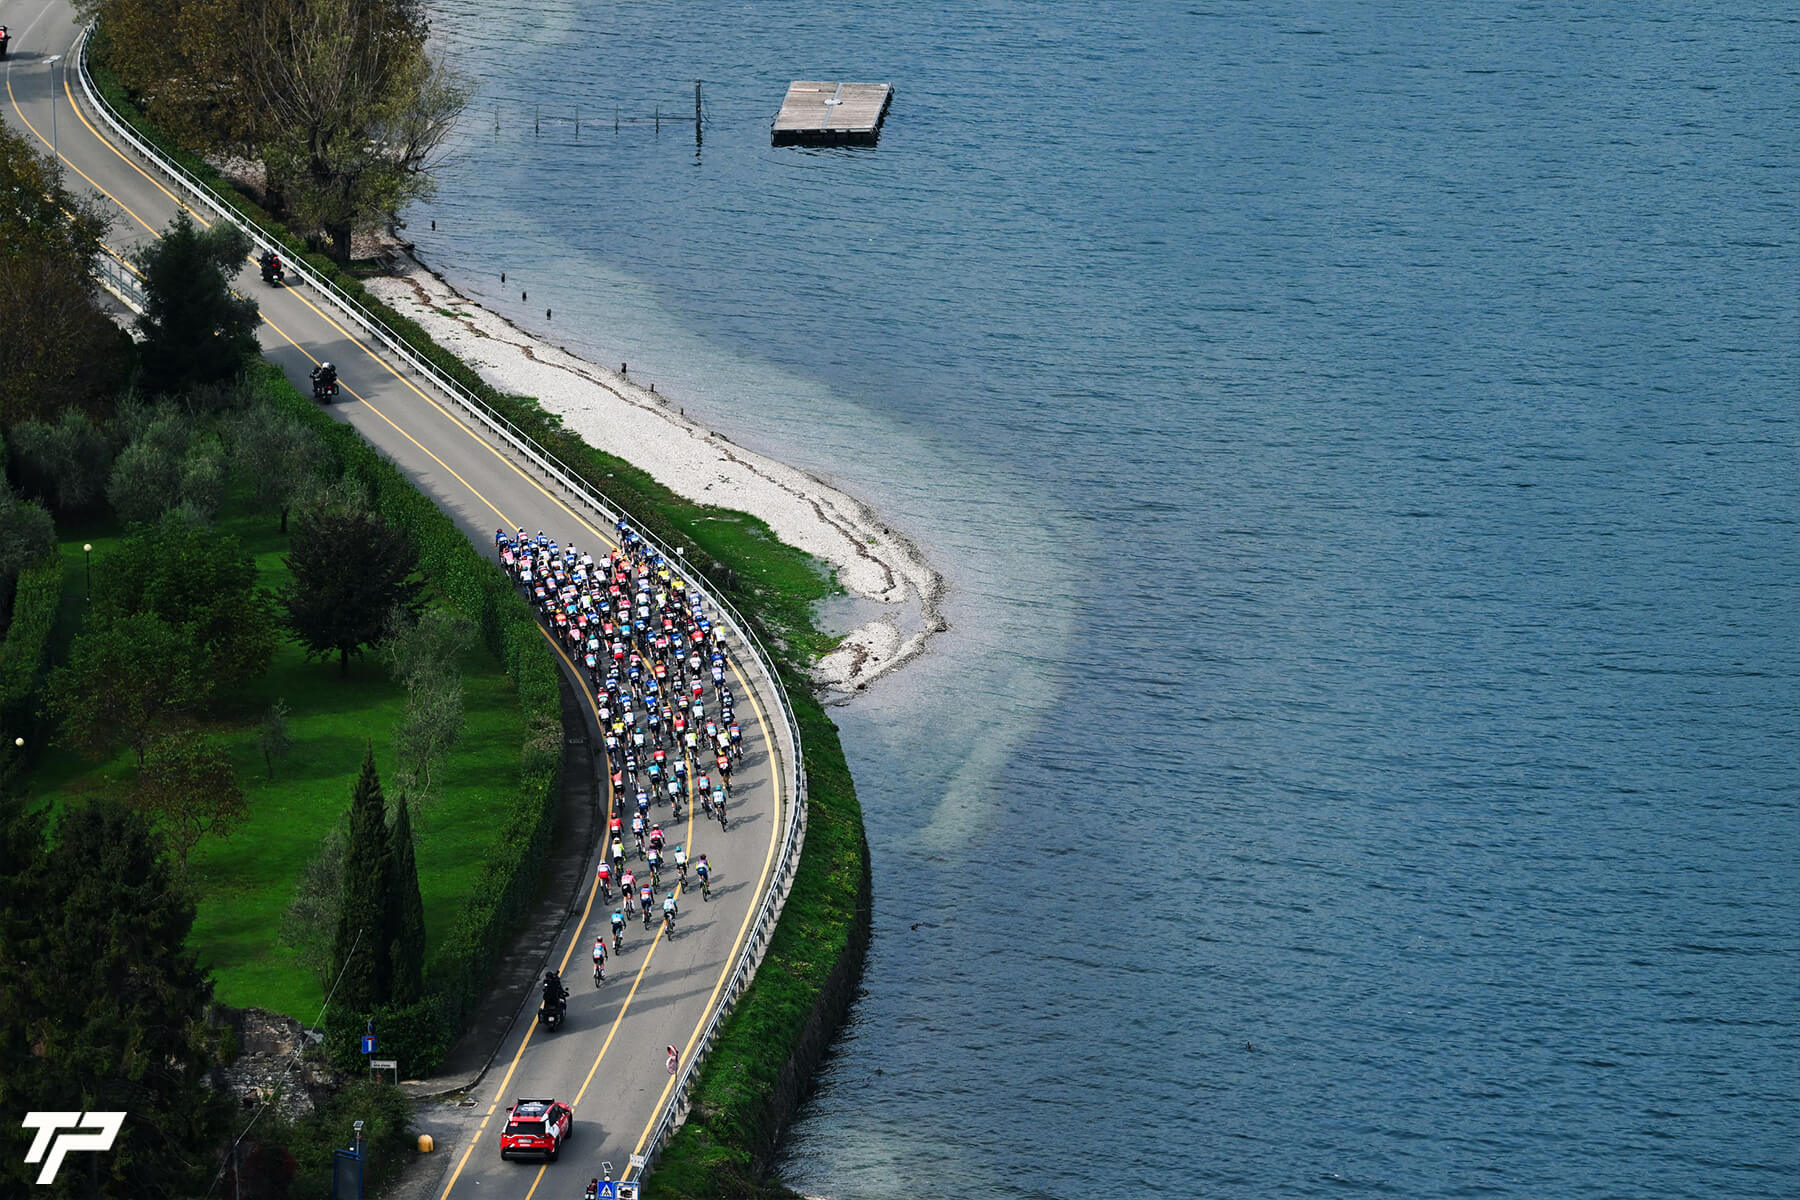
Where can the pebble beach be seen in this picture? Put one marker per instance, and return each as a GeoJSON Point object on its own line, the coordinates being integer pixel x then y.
{"type": "Point", "coordinates": [901, 593]}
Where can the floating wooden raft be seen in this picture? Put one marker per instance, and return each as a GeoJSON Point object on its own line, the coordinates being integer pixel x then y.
{"type": "Point", "coordinates": [829, 114]}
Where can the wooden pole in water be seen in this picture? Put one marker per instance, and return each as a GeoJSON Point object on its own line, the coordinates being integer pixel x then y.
{"type": "Point", "coordinates": [659, 120]}
{"type": "Point", "coordinates": [696, 112]}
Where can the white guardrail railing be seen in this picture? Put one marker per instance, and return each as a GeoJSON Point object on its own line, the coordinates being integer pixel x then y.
{"type": "Point", "coordinates": [116, 277]}
{"type": "Point", "coordinates": [558, 473]}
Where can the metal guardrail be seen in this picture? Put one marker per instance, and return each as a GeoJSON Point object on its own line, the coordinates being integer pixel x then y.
{"type": "Point", "coordinates": [117, 278]}
{"type": "Point", "coordinates": [565, 478]}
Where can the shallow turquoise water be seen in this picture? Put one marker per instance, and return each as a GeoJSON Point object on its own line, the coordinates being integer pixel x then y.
{"type": "Point", "coordinates": [1362, 441]}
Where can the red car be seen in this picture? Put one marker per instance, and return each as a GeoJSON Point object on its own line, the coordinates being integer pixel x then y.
{"type": "Point", "coordinates": [537, 1127]}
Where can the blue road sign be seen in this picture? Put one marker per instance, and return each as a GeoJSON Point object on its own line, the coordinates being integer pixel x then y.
{"type": "Point", "coordinates": [368, 1043]}
{"type": "Point", "coordinates": [608, 1191]}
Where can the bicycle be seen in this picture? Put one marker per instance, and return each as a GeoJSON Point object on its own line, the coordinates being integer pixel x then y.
{"type": "Point", "coordinates": [706, 887]}
{"type": "Point", "coordinates": [599, 972]}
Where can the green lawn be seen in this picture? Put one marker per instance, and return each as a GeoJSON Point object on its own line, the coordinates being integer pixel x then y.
{"type": "Point", "coordinates": [243, 883]}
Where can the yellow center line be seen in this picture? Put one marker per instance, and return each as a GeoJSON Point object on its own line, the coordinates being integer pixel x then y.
{"type": "Point", "coordinates": [14, 100]}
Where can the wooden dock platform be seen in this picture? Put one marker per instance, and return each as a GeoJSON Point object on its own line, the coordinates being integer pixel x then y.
{"type": "Point", "coordinates": [832, 114]}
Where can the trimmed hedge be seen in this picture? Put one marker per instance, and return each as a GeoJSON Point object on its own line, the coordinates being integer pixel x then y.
{"type": "Point", "coordinates": [476, 587]}
{"type": "Point", "coordinates": [24, 655]}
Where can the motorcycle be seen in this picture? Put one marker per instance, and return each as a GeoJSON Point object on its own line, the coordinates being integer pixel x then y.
{"type": "Point", "coordinates": [5, 41]}
{"type": "Point", "coordinates": [552, 1014]}
{"type": "Point", "coordinates": [324, 387]}
{"type": "Point", "coordinates": [273, 273]}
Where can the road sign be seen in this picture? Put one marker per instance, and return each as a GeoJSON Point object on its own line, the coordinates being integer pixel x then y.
{"type": "Point", "coordinates": [368, 1043]}
{"type": "Point", "coordinates": [628, 1189]}
{"type": "Point", "coordinates": [608, 1190]}
{"type": "Point", "coordinates": [384, 1064]}
{"type": "Point", "coordinates": [639, 1161]}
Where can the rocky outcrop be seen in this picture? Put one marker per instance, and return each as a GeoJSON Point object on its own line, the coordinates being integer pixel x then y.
{"type": "Point", "coordinates": [271, 1062]}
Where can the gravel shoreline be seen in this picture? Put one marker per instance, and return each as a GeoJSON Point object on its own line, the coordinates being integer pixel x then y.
{"type": "Point", "coordinates": [872, 561]}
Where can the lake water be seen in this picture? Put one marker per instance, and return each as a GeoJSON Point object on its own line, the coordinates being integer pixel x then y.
{"type": "Point", "coordinates": [1362, 441]}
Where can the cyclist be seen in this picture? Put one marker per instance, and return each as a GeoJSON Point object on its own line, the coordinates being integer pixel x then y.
{"type": "Point", "coordinates": [681, 862]}
{"type": "Point", "coordinates": [669, 912]}
{"type": "Point", "coordinates": [647, 897]}
{"type": "Point", "coordinates": [655, 859]}
{"type": "Point", "coordinates": [618, 855]}
{"type": "Point", "coordinates": [618, 924]}
{"type": "Point", "coordinates": [656, 837]}
{"type": "Point", "coordinates": [704, 871]}
{"type": "Point", "coordinates": [604, 874]}
{"type": "Point", "coordinates": [599, 960]}
{"type": "Point", "coordinates": [628, 889]}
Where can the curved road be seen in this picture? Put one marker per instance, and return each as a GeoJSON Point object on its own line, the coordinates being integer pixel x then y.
{"type": "Point", "coordinates": [608, 1060]}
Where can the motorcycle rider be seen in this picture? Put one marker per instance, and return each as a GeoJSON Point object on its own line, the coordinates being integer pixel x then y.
{"type": "Point", "coordinates": [5, 41]}
{"type": "Point", "coordinates": [271, 266]}
{"type": "Point", "coordinates": [324, 378]}
{"type": "Point", "coordinates": [555, 994]}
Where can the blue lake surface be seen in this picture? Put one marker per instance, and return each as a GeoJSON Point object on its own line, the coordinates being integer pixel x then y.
{"type": "Point", "coordinates": [1363, 444]}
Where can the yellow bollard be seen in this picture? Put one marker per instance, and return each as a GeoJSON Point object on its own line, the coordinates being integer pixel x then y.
{"type": "Point", "coordinates": [426, 1145]}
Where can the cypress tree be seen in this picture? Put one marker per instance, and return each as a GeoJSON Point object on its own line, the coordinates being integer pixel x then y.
{"type": "Point", "coordinates": [406, 919]}
{"type": "Point", "coordinates": [360, 957]}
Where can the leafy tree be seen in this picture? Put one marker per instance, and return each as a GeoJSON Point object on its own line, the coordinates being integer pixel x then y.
{"type": "Point", "coordinates": [110, 1003]}
{"type": "Point", "coordinates": [193, 575]}
{"type": "Point", "coordinates": [353, 109]}
{"type": "Point", "coordinates": [146, 476]}
{"type": "Point", "coordinates": [60, 350]}
{"type": "Point", "coordinates": [26, 534]}
{"type": "Point", "coordinates": [361, 955]}
{"type": "Point", "coordinates": [277, 454]}
{"type": "Point", "coordinates": [188, 784]}
{"type": "Point", "coordinates": [195, 331]}
{"type": "Point", "coordinates": [351, 569]}
{"type": "Point", "coordinates": [202, 487]}
{"type": "Point", "coordinates": [406, 914]}
{"type": "Point", "coordinates": [181, 58]}
{"type": "Point", "coordinates": [309, 924]}
{"type": "Point", "coordinates": [422, 656]}
{"type": "Point", "coordinates": [65, 463]}
{"type": "Point", "coordinates": [273, 737]}
{"type": "Point", "coordinates": [125, 680]}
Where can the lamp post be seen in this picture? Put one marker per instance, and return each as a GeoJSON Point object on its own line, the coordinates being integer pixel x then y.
{"type": "Point", "coordinates": [88, 549]}
{"type": "Point", "coordinates": [51, 63]}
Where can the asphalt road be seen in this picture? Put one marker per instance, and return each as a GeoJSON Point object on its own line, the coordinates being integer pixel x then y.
{"type": "Point", "coordinates": [609, 1058]}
